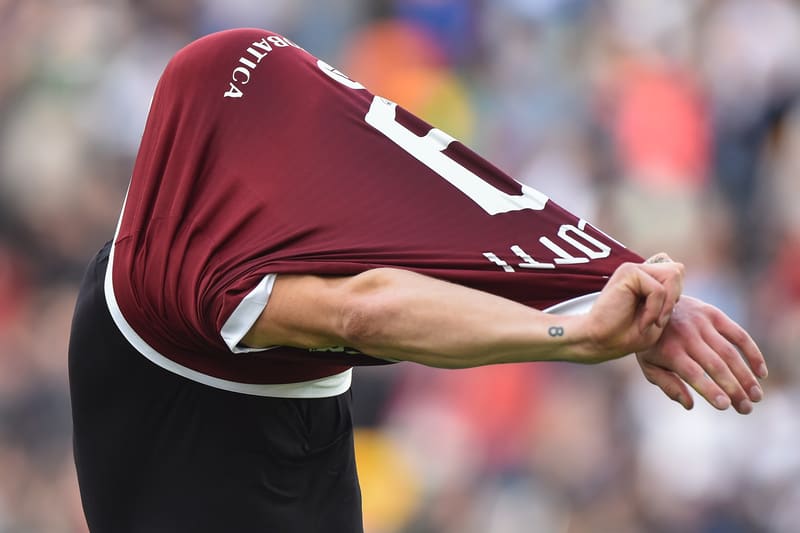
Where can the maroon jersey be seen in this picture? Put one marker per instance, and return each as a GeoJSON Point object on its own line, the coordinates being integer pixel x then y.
{"type": "Point", "coordinates": [258, 159]}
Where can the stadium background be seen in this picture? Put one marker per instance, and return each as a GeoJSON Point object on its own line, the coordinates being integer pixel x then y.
{"type": "Point", "coordinates": [672, 125]}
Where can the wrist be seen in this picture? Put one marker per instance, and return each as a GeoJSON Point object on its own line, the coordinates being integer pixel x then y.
{"type": "Point", "coordinates": [572, 338]}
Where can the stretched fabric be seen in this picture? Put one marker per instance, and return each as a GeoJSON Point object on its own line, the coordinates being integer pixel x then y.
{"type": "Point", "coordinates": [258, 159]}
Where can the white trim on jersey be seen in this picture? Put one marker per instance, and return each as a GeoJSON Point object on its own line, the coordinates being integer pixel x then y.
{"type": "Point", "coordinates": [316, 388]}
{"type": "Point", "coordinates": [574, 306]}
{"type": "Point", "coordinates": [246, 314]}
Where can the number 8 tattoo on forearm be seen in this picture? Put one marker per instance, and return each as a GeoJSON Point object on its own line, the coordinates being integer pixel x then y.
{"type": "Point", "coordinates": [555, 331]}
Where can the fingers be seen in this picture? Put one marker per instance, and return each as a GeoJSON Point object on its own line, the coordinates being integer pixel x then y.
{"type": "Point", "coordinates": [692, 373]}
{"type": "Point", "coordinates": [669, 383]}
{"type": "Point", "coordinates": [702, 346]}
{"type": "Point", "coordinates": [708, 371]}
{"type": "Point", "coordinates": [670, 276]}
{"type": "Point", "coordinates": [730, 370]}
{"type": "Point", "coordinates": [737, 336]}
{"type": "Point", "coordinates": [636, 298]}
{"type": "Point", "coordinates": [655, 299]}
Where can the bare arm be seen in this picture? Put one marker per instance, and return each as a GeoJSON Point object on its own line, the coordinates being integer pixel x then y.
{"type": "Point", "coordinates": [401, 315]}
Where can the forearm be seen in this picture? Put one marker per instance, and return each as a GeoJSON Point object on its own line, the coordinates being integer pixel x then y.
{"type": "Point", "coordinates": [400, 315]}
{"type": "Point", "coordinates": [403, 316]}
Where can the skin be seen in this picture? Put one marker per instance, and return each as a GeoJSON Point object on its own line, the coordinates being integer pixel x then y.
{"type": "Point", "coordinates": [679, 342]}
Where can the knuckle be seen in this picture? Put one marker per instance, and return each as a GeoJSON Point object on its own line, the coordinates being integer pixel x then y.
{"type": "Point", "coordinates": [728, 353]}
{"type": "Point", "coordinates": [737, 395]}
{"type": "Point", "coordinates": [717, 317]}
{"type": "Point", "coordinates": [671, 390]}
{"type": "Point", "coordinates": [627, 268]}
{"type": "Point", "coordinates": [659, 291]}
{"type": "Point", "coordinates": [728, 383]}
{"type": "Point", "coordinates": [732, 356]}
{"type": "Point", "coordinates": [732, 389]}
{"type": "Point", "coordinates": [738, 392]}
{"type": "Point", "coordinates": [650, 373]}
{"type": "Point", "coordinates": [740, 337]}
{"type": "Point", "coordinates": [691, 373]}
{"type": "Point", "coordinates": [716, 367]}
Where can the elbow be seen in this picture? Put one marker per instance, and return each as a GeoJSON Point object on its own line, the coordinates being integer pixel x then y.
{"type": "Point", "coordinates": [366, 310]}
{"type": "Point", "coordinates": [360, 326]}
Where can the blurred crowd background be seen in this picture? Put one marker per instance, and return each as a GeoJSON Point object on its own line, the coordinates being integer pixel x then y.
{"type": "Point", "coordinates": [673, 125]}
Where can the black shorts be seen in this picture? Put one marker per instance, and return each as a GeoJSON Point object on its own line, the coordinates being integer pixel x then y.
{"type": "Point", "coordinates": [156, 452]}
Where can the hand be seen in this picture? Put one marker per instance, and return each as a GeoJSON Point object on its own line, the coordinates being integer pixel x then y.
{"type": "Point", "coordinates": [633, 309]}
{"type": "Point", "coordinates": [704, 348]}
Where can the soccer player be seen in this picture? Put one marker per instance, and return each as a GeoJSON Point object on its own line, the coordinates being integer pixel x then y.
{"type": "Point", "coordinates": [283, 225]}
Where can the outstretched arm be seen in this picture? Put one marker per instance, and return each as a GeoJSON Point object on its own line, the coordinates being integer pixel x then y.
{"type": "Point", "coordinates": [400, 315]}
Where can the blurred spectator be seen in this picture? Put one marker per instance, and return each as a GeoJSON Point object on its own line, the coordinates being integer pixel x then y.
{"type": "Point", "coordinates": [753, 81]}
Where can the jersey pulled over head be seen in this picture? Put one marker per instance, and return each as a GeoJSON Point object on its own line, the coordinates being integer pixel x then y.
{"type": "Point", "coordinates": [258, 159]}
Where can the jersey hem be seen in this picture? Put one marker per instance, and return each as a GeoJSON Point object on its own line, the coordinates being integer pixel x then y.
{"type": "Point", "coordinates": [317, 388]}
